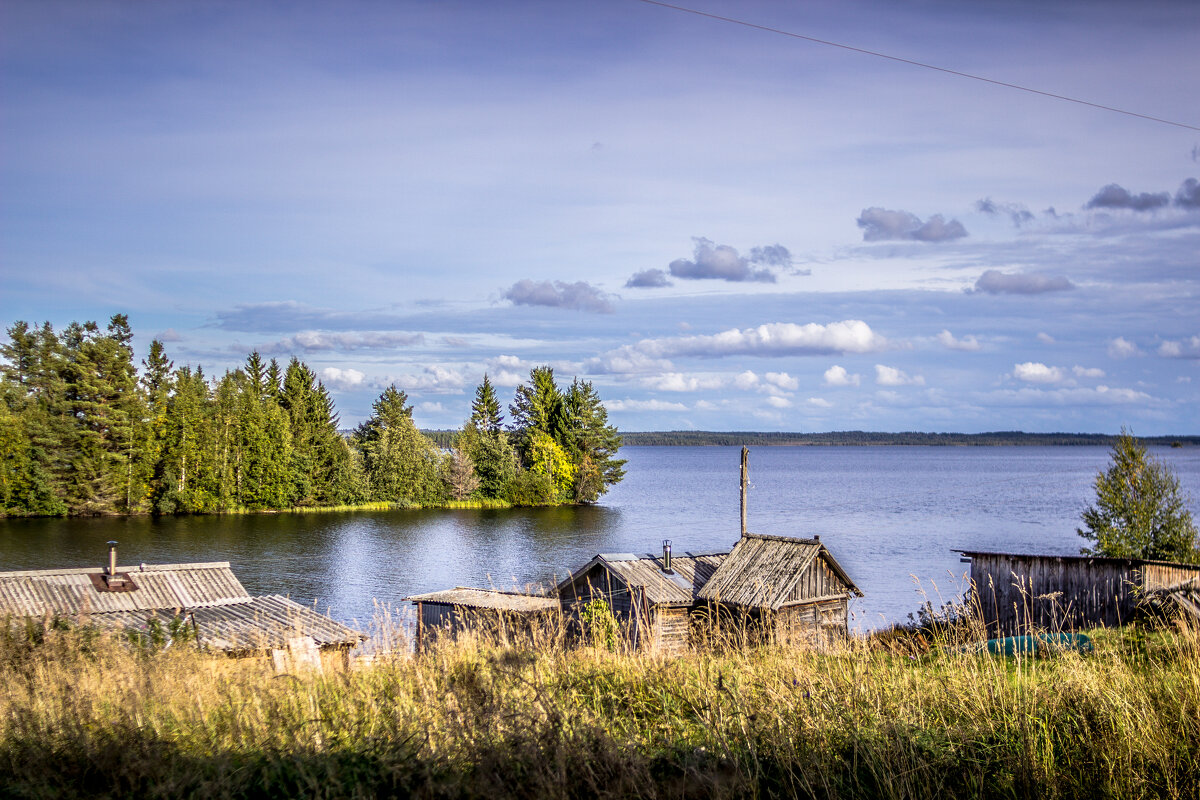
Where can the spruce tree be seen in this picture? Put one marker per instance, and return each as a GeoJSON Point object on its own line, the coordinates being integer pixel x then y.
{"type": "Point", "coordinates": [1140, 511]}
{"type": "Point", "coordinates": [401, 464]}
{"type": "Point", "coordinates": [591, 441]}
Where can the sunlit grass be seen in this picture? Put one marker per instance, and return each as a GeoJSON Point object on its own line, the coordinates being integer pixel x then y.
{"type": "Point", "coordinates": [82, 714]}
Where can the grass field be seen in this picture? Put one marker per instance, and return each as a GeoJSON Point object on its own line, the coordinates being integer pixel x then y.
{"type": "Point", "coordinates": [83, 715]}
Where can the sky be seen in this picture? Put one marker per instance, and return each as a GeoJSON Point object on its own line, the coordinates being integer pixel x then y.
{"type": "Point", "coordinates": [720, 227]}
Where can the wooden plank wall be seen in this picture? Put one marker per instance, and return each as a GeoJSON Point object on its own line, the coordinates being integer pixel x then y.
{"type": "Point", "coordinates": [812, 623]}
{"type": "Point", "coordinates": [1019, 593]}
{"type": "Point", "coordinates": [817, 580]}
{"type": "Point", "coordinates": [1162, 576]}
{"type": "Point", "coordinates": [671, 627]}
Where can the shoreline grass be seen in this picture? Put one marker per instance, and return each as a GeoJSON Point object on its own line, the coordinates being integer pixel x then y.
{"type": "Point", "coordinates": [82, 715]}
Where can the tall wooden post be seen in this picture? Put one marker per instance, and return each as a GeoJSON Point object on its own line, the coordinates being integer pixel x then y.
{"type": "Point", "coordinates": [745, 476]}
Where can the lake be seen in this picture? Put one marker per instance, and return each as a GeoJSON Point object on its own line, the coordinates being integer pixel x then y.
{"type": "Point", "coordinates": [891, 516]}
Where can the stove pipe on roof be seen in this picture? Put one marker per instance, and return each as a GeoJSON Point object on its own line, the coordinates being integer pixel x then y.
{"type": "Point", "coordinates": [112, 558]}
{"type": "Point", "coordinates": [667, 556]}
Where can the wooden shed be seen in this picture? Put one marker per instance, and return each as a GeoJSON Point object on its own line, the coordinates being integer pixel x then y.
{"type": "Point", "coordinates": [507, 615]}
{"type": "Point", "coordinates": [792, 591]}
{"type": "Point", "coordinates": [1019, 592]}
{"type": "Point", "coordinates": [651, 596]}
{"type": "Point", "coordinates": [206, 597]}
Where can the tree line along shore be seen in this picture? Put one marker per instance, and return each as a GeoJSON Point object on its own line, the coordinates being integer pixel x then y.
{"type": "Point", "coordinates": [862, 438]}
{"type": "Point", "coordinates": [83, 431]}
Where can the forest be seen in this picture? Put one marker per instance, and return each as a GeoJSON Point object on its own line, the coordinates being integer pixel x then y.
{"type": "Point", "coordinates": [84, 431]}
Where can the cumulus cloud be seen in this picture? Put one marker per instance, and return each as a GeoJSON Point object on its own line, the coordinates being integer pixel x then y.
{"type": "Point", "coordinates": [1186, 348]}
{"type": "Point", "coordinates": [578, 296]}
{"type": "Point", "coordinates": [434, 380]}
{"type": "Point", "coordinates": [994, 281]}
{"type": "Point", "coordinates": [1116, 196]}
{"type": "Point", "coordinates": [779, 402]}
{"type": "Point", "coordinates": [342, 379]}
{"type": "Point", "coordinates": [746, 380]}
{"type": "Point", "coordinates": [1087, 372]}
{"type": "Point", "coordinates": [967, 343]}
{"type": "Point", "coordinates": [643, 405]}
{"type": "Point", "coordinates": [890, 376]}
{"type": "Point", "coordinates": [1121, 347]}
{"type": "Point", "coordinates": [648, 279]}
{"type": "Point", "coordinates": [323, 341]}
{"type": "Point", "coordinates": [837, 376]}
{"type": "Point", "coordinates": [881, 224]}
{"type": "Point", "coordinates": [1036, 372]}
{"type": "Point", "coordinates": [722, 262]}
{"type": "Point", "coordinates": [678, 382]}
{"type": "Point", "coordinates": [819, 402]}
{"type": "Point", "coordinates": [781, 380]}
{"type": "Point", "coordinates": [770, 339]}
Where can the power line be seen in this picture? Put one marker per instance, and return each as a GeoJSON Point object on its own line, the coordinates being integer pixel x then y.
{"type": "Point", "coordinates": [910, 62]}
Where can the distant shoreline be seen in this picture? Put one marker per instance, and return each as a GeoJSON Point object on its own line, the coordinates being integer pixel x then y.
{"type": "Point", "coordinates": [862, 438]}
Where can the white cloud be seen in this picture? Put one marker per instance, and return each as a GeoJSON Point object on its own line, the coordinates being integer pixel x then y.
{"type": "Point", "coordinates": [770, 339]}
{"type": "Point", "coordinates": [746, 380]}
{"type": "Point", "coordinates": [967, 343]}
{"type": "Point", "coordinates": [837, 376]}
{"type": "Point", "coordinates": [678, 382]}
{"type": "Point", "coordinates": [1036, 372]}
{"type": "Point", "coordinates": [342, 379]}
{"type": "Point", "coordinates": [642, 405]}
{"type": "Point", "coordinates": [819, 402]}
{"type": "Point", "coordinates": [430, 408]}
{"type": "Point", "coordinates": [436, 380]}
{"type": "Point", "coordinates": [782, 380]}
{"type": "Point", "coordinates": [1187, 348]}
{"type": "Point", "coordinates": [1087, 372]}
{"type": "Point", "coordinates": [578, 296]}
{"type": "Point", "coordinates": [1083, 396]}
{"type": "Point", "coordinates": [321, 341]}
{"type": "Point", "coordinates": [505, 378]}
{"type": "Point", "coordinates": [1045, 338]}
{"type": "Point", "coordinates": [1121, 347]}
{"type": "Point", "coordinates": [779, 402]}
{"type": "Point", "coordinates": [890, 376]}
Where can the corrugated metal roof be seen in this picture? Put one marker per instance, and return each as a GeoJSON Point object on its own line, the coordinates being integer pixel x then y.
{"type": "Point", "coordinates": [761, 571]}
{"type": "Point", "coordinates": [689, 572]}
{"type": "Point", "coordinates": [469, 597]}
{"type": "Point", "coordinates": [68, 592]}
{"type": "Point", "coordinates": [258, 623]}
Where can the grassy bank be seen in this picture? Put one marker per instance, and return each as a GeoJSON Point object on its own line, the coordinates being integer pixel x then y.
{"type": "Point", "coordinates": [86, 716]}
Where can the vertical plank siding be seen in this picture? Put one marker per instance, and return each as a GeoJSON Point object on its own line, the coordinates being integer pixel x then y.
{"type": "Point", "coordinates": [1019, 593]}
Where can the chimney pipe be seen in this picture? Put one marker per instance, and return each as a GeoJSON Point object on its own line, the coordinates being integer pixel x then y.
{"type": "Point", "coordinates": [112, 558]}
{"type": "Point", "coordinates": [666, 555]}
{"type": "Point", "coordinates": [745, 477]}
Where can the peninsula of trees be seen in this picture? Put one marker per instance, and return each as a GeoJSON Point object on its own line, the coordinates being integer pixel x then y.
{"type": "Point", "coordinates": [82, 432]}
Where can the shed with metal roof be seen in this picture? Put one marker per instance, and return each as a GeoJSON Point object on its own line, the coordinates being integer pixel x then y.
{"type": "Point", "coordinates": [650, 596]}
{"type": "Point", "coordinates": [206, 597]}
{"type": "Point", "coordinates": [507, 615]}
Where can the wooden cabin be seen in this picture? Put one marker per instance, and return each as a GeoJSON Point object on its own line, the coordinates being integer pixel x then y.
{"type": "Point", "coordinates": [1017, 592]}
{"type": "Point", "coordinates": [506, 615]}
{"type": "Point", "coordinates": [206, 598]}
{"type": "Point", "coordinates": [652, 597]}
{"type": "Point", "coordinates": [789, 591]}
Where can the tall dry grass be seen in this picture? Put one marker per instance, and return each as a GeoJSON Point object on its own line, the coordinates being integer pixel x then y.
{"type": "Point", "coordinates": [86, 715]}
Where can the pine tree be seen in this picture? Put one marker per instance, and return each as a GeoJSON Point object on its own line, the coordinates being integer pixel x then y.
{"type": "Point", "coordinates": [1140, 511]}
{"type": "Point", "coordinates": [484, 441]}
{"type": "Point", "coordinates": [537, 406]}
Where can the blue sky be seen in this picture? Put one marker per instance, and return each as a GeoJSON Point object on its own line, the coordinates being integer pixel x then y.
{"type": "Point", "coordinates": [721, 227]}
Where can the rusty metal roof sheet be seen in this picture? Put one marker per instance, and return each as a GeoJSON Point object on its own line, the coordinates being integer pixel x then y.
{"type": "Point", "coordinates": [68, 592]}
{"type": "Point", "coordinates": [469, 597]}
{"type": "Point", "coordinates": [680, 587]}
{"type": "Point", "coordinates": [258, 623]}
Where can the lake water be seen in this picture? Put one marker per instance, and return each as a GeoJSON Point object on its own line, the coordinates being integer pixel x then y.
{"type": "Point", "coordinates": [890, 515]}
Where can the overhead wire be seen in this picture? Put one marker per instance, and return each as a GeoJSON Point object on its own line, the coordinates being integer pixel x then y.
{"type": "Point", "coordinates": [910, 62]}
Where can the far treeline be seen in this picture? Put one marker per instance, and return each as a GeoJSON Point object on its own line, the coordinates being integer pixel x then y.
{"type": "Point", "coordinates": [853, 438]}
{"type": "Point", "coordinates": [83, 431]}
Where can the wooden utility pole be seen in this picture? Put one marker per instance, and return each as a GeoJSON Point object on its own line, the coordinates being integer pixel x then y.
{"type": "Point", "coordinates": [745, 477]}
